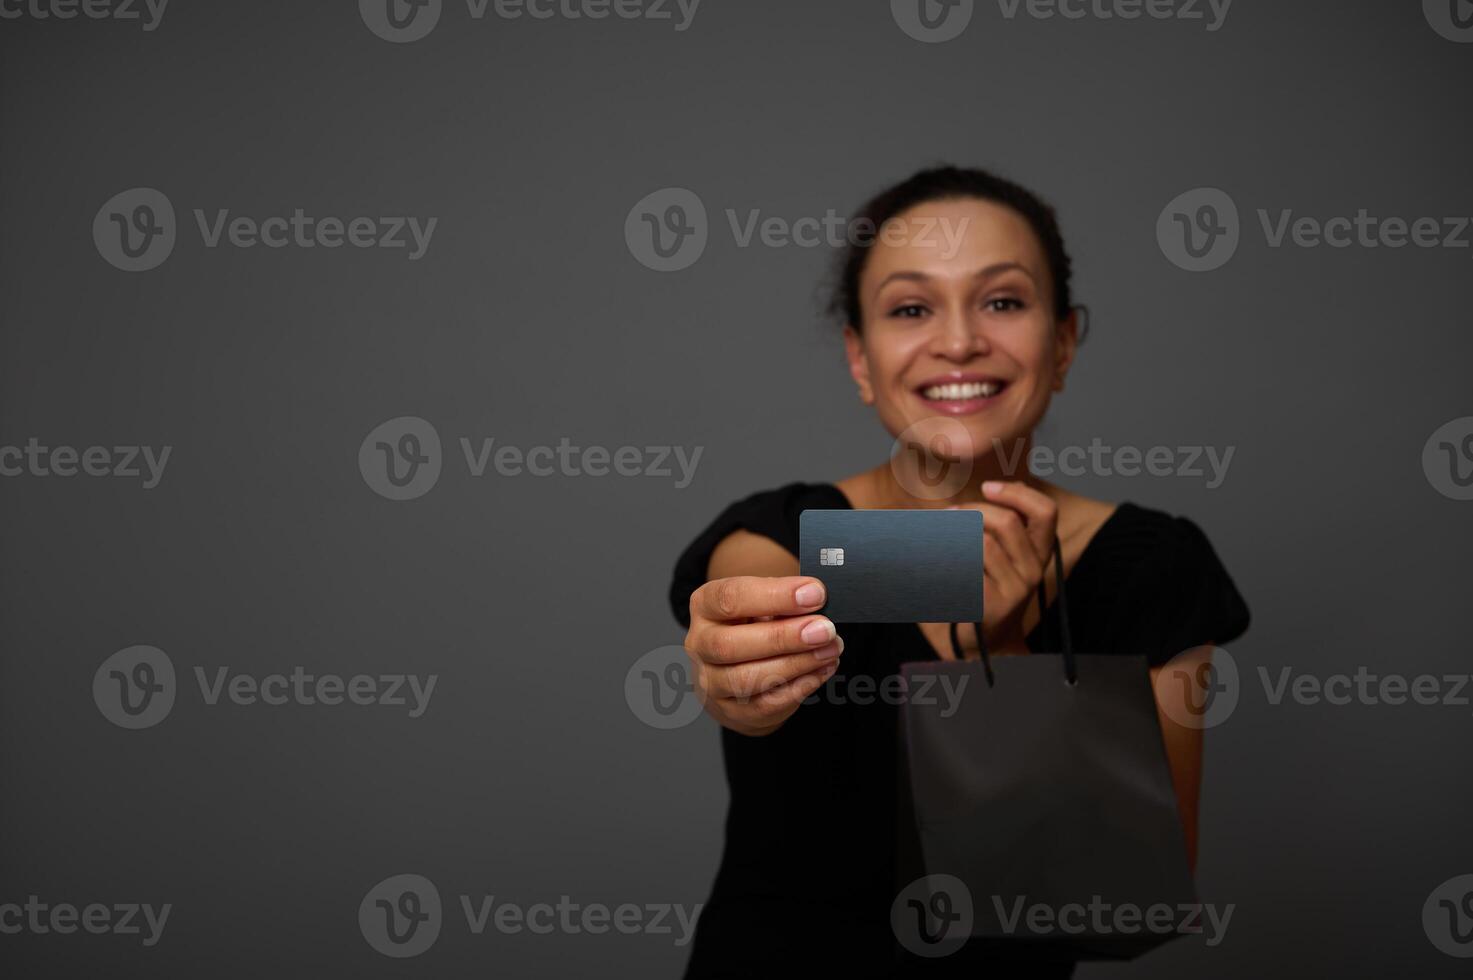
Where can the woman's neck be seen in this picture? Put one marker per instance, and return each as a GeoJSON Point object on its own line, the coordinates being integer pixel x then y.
{"type": "Point", "coordinates": [913, 480]}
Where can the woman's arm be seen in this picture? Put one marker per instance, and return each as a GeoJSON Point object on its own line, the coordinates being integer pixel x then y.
{"type": "Point", "coordinates": [745, 553]}
{"type": "Point", "coordinates": [1183, 744]}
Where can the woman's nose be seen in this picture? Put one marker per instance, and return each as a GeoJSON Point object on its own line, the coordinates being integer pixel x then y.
{"type": "Point", "coordinates": [960, 339]}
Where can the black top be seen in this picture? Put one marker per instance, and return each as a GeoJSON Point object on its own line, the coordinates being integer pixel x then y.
{"type": "Point", "coordinates": [807, 876]}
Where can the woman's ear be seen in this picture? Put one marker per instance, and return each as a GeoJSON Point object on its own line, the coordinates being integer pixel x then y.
{"type": "Point", "coordinates": [858, 364]}
{"type": "Point", "coordinates": [1066, 344]}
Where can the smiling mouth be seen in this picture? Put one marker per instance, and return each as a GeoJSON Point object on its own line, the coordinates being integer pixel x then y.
{"type": "Point", "coordinates": [962, 391]}
{"type": "Point", "coordinates": [960, 396]}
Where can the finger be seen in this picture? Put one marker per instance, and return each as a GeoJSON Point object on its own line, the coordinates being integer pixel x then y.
{"type": "Point", "coordinates": [998, 565]}
{"type": "Point", "coordinates": [734, 643]}
{"type": "Point", "coordinates": [746, 681]}
{"type": "Point", "coordinates": [795, 692]}
{"type": "Point", "coordinates": [1006, 527]}
{"type": "Point", "coordinates": [993, 598]}
{"type": "Point", "coordinates": [744, 596]}
{"type": "Point", "coordinates": [1038, 509]}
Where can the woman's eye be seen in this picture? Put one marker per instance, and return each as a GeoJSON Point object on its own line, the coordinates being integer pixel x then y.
{"type": "Point", "coordinates": [1003, 304]}
{"type": "Point", "coordinates": [909, 311]}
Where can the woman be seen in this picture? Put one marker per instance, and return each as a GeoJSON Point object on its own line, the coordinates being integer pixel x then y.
{"type": "Point", "coordinates": [959, 330]}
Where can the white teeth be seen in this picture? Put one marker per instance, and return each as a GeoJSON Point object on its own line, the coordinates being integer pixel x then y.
{"type": "Point", "coordinates": [960, 392]}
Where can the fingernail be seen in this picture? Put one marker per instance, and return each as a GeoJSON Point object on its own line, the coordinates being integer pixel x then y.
{"type": "Point", "coordinates": [830, 652]}
{"type": "Point", "coordinates": [818, 631]}
{"type": "Point", "coordinates": [809, 595]}
{"type": "Point", "coordinates": [992, 486]}
{"type": "Point", "coordinates": [829, 671]}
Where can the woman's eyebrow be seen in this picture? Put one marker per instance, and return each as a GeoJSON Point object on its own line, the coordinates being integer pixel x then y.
{"type": "Point", "coordinates": [902, 277]}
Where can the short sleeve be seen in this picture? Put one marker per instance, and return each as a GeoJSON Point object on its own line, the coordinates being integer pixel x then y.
{"type": "Point", "coordinates": [770, 513]}
{"type": "Point", "coordinates": [1203, 605]}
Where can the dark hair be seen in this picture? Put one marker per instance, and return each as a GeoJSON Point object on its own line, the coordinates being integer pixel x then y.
{"type": "Point", "coordinates": [941, 184]}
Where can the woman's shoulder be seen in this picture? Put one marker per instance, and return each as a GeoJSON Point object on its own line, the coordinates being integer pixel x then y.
{"type": "Point", "coordinates": [771, 514]}
{"type": "Point", "coordinates": [774, 513]}
{"type": "Point", "coordinates": [1143, 553]}
{"type": "Point", "coordinates": [1134, 532]}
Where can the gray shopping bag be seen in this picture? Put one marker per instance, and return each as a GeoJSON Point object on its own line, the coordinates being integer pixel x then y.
{"type": "Point", "coordinates": [1038, 817]}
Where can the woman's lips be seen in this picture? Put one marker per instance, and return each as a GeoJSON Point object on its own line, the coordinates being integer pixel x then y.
{"type": "Point", "coordinates": [960, 397]}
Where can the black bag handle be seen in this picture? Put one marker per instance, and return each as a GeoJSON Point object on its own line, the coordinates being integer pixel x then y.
{"type": "Point", "coordinates": [1066, 641]}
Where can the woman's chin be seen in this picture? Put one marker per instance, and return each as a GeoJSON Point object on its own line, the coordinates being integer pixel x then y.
{"type": "Point", "coordinates": [952, 438]}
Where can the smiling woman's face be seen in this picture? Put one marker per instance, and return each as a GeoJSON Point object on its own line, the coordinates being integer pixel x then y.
{"type": "Point", "coordinates": [959, 334]}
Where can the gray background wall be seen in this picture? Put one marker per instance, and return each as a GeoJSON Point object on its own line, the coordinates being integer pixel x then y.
{"type": "Point", "coordinates": [528, 319]}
